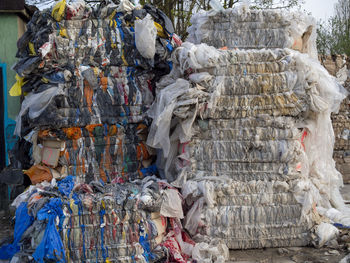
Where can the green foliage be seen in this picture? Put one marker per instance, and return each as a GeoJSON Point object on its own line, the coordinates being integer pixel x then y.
{"type": "Point", "coordinates": [180, 11]}
{"type": "Point", "coordinates": [276, 4]}
{"type": "Point", "coordinates": [333, 36]}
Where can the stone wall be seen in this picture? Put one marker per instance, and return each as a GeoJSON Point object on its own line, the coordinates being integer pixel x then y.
{"type": "Point", "coordinates": [339, 66]}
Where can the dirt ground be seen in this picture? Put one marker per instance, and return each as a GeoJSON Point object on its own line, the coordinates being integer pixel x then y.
{"type": "Point", "coordinates": [271, 255]}
{"type": "Point", "coordinates": [6, 228]}
{"type": "Point", "coordinates": [287, 255]}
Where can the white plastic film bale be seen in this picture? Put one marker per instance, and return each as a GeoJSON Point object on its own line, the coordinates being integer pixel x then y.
{"type": "Point", "coordinates": [145, 37]}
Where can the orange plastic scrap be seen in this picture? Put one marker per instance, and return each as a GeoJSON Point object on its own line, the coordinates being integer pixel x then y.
{"type": "Point", "coordinates": [102, 172]}
{"type": "Point", "coordinates": [141, 127]}
{"type": "Point", "coordinates": [67, 156]}
{"type": "Point", "coordinates": [46, 134]}
{"type": "Point", "coordinates": [142, 153]}
{"type": "Point", "coordinates": [88, 93]}
{"type": "Point", "coordinates": [72, 133]}
{"type": "Point", "coordinates": [113, 130]}
{"type": "Point", "coordinates": [103, 82]}
{"type": "Point", "coordinates": [83, 164]}
{"type": "Point", "coordinates": [91, 128]}
{"type": "Point", "coordinates": [39, 173]}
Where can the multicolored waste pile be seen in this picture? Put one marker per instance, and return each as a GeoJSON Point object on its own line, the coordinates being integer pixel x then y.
{"type": "Point", "coordinates": [89, 87]}
{"type": "Point", "coordinates": [240, 134]}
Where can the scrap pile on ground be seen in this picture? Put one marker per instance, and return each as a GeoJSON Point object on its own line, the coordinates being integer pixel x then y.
{"type": "Point", "coordinates": [251, 138]}
{"type": "Point", "coordinates": [245, 134]}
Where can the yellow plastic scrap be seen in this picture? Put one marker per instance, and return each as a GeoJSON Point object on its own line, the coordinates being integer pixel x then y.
{"type": "Point", "coordinates": [124, 60]}
{"type": "Point", "coordinates": [160, 30]}
{"type": "Point", "coordinates": [31, 49]}
{"type": "Point", "coordinates": [112, 22]}
{"type": "Point", "coordinates": [95, 69]}
{"type": "Point", "coordinates": [63, 33]}
{"type": "Point", "coordinates": [16, 89]}
{"type": "Point", "coordinates": [107, 260]}
{"type": "Point", "coordinates": [58, 10]}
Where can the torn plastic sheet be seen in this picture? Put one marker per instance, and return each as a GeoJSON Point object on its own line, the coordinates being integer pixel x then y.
{"type": "Point", "coordinates": [51, 246]}
{"type": "Point", "coordinates": [36, 104]}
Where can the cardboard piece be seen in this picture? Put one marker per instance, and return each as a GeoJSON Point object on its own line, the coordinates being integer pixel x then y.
{"type": "Point", "coordinates": [51, 152]}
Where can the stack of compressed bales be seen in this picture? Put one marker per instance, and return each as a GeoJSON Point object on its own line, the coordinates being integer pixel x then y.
{"type": "Point", "coordinates": [89, 77]}
{"type": "Point", "coordinates": [338, 66]}
{"type": "Point", "coordinates": [257, 161]}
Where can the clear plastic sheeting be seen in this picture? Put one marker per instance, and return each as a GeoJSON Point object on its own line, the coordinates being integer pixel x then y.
{"type": "Point", "coordinates": [246, 28]}
{"type": "Point", "coordinates": [35, 104]}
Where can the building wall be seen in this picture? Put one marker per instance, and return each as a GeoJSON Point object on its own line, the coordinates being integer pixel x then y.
{"type": "Point", "coordinates": [11, 27]}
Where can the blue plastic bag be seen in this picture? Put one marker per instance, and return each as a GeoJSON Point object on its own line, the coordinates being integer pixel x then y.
{"type": "Point", "coordinates": [66, 185]}
{"type": "Point", "coordinates": [51, 246]}
{"type": "Point", "coordinates": [23, 221]}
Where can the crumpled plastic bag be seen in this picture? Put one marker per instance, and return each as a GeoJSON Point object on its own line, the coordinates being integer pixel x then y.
{"type": "Point", "coordinates": [125, 6]}
{"type": "Point", "coordinates": [145, 37]}
{"type": "Point", "coordinates": [193, 219]}
{"type": "Point", "coordinates": [16, 89]}
{"type": "Point", "coordinates": [51, 246]}
{"type": "Point", "coordinates": [326, 232]}
{"type": "Point", "coordinates": [58, 10]}
{"type": "Point", "coordinates": [39, 173]}
{"type": "Point", "coordinates": [216, 252]}
{"type": "Point", "coordinates": [172, 204]}
{"type": "Point", "coordinates": [66, 185]}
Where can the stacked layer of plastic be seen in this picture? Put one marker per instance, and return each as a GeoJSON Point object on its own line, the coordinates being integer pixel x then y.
{"type": "Point", "coordinates": [88, 76]}
{"type": "Point", "coordinates": [108, 152]}
{"type": "Point", "coordinates": [250, 29]}
{"type": "Point", "coordinates": [250, 142]}
{"type": "Point", "coordinates": [339, 66]}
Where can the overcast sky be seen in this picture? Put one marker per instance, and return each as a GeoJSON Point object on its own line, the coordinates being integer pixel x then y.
{"type": "Point", "coordinates": [320, 9]}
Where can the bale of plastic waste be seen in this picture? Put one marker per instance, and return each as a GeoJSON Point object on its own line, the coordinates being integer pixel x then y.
{"type": "Point", "coordinates": [245, 28]}
{"type": "Point", "coordinates": [87, 84]}
{"type": "Point", "coordinates": [248, 137]}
